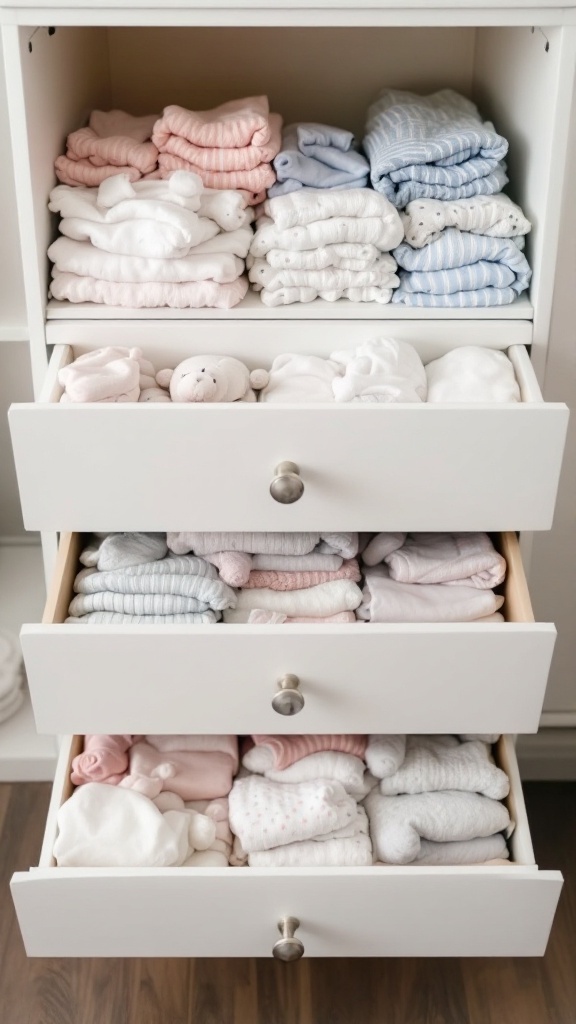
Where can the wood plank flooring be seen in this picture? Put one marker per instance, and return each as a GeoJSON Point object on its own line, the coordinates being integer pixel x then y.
{"type": "Point", "coordinates": [308, 992]}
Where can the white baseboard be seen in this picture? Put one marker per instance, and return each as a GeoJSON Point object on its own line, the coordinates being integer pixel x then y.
{"type": "Point", "coordinates": [548, 755]}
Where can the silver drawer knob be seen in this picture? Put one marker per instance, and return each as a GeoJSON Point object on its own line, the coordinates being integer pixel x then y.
{"type": "Point", "coordinates": [288, 948]}
{"type": "Point", "coordinates": [287, 486]}
{"type": "Point", "coordinates": [288, 700]}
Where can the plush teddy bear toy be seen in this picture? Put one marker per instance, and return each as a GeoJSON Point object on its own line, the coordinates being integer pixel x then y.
{"type": "Point", "coordinates": [212, 379]}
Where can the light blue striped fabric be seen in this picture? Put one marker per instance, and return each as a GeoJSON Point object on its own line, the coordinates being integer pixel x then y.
{"type": "Point", "coordinates": [435, 147]}
{"type": "Point", "coordinates": [461, 269]}
{"type": "Point", "coordinates": [318, 156]}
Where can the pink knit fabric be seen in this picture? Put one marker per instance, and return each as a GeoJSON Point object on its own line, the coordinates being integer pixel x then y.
{"type": "Point", "coordinates": [104, 759]}
{"type": "Point", "coordinates": [197, 775]}
{"type": "Point", "coordinates": [255, 181]}
{"type": "Point", "coordinates": [227, 158]}
{"type": "Point", "coordinates": [113, 142]}
{"type": "Point", "coordinates": [288, 749]}
{"type": "Point", "coordinates": [233, 566]}
{"type": "Point", "coordinates": [278, 580]}
{"type": "Point", "coordinates": [232, 125]}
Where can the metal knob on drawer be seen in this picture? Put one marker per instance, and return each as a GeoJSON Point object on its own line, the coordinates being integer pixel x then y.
{"type": "Point", "coordinates": [288, 700]}
{"type": "Point", "coordinates": [287, 486]}
{"type": "Point", "coordinates": [288, 948]}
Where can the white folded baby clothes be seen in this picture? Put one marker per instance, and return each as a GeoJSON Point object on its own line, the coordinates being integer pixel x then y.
{"type": "Point", "coordinates": [324, 599]}
{"type": "Point", "coordinates": [470, 851]}
{"type": "Point", "coordinates": [120, 550]}
{"type": "Point", "coordinates": [112, 374]}
{"type": "Point", "coordinates": [399, 823]}
{"type": "Point", "coordinates": [147, 294]}
{"type": "Point", "coordinates": [444, 762]}
{"type": "Point", "coordinates": [472, 374]}
{"type": "Point", "coordinates": [300, 378]}
{"type": "Point", "coordinates": [385, 754]}
{"type": "Point", "coordinates": [342, 255]}
{"type": "Point", "coordinates": [383, 232]}
{"type": "Point", "coordinates": [351, 850]}
{"type": "Point", "coordinates": [381, 274]}
{"type": "Point", "coordinates": [495, 215]}
{"type": "Point", "coordinates": [307, 207]}
{"type": "Point", "coordinates": [380, 371]}
{"type": "Point", "coordinates": [273, 543]}
{"type": "Point", "coordinates": [458, 559]}
{"type": "Point", "coordinates": [387, 600]}
{"type": "Point", "coordinates": [84, 259]}
{"type": "Point", "coordinates": [328, 765]}
{"type": "Point", "coordinates": [287, 296]}
{"type": "Point", "coordinates": [381, 545]}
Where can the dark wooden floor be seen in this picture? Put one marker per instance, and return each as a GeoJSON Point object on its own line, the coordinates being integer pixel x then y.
{"type": "Point", "coordinates": [309, 992]}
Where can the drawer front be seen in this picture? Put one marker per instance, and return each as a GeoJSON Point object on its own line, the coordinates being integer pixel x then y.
{"type": "Point", "coordinates": [360, 677]}
{"type": "Point", "coordinates": [379, 911]}
{"type": "Point", "coordinates": [385, 467]}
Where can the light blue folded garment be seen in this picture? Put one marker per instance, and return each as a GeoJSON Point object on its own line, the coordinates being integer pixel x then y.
{"type": "Point", "coordinates": [434, 147]}
{"type": "Point", "coordinates": [318, 156]}
{"type": "Point", "coordinates": [461, 269]}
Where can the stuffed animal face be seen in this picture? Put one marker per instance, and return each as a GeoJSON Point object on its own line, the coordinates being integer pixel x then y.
{"type": "Point", "coordinates": [195, 380]}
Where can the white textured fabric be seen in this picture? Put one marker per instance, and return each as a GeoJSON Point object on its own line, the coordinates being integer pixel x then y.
{"type": "Point", "coordinates": [147, 294]}
{"type": "Point", "coordinates": [119, 550]}
{"type": "Point", "coordinates": [496, 215]}
{"type": "Point", "coordinates": [84, 259]}
{"type": "Point", "coordinates": [305, 207]}
{"type": "Point", "coordinates": [287, 296]}
{"type": "Point", "coordinates": [255, 543]}
{"type": "Point", "coordinates": [202, 743]}
{"type": "Point", "coordinates": [300, 378]}
{"type": "Point", "coordinates": [380, 274]}
{"type": "Point", "coordinates": [355, 852]}
{"type": "Point", "coordinates": [385, 754]}
{"type": "Point", "coordinates": [387, 600]}
{"type": "Point", "coordinates": [472, 374]}
{"type": "Point", "coordinates": [265, 814]}
{"type": "Point", "coordinates": [381, 545]}
{"type": "Point", "coordinates": [399, 823]}
{"type": "Point", "coordinates": [444, 762]}
{"type": "Point", "coordinates": [383, 233]}
{"type": "Point", "coordinates": [107, 618]}
{"type": "Point", "coordinates": [471, 851]}
{"type": "Point", "coordinates": [461, 559]}
{"type": "Point", "coordinates": [328, 765]}
{"type": "Point", "coordinates": [345, 256]}
{"type": "Point", "coordinates": [380, 371]}
{"type": "Point", "coordinates": [324, 599]}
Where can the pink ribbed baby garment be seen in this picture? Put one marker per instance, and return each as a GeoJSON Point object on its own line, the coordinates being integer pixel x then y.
{"type": "Point", "coordinates": [283, 580]}
{"type": "Point", "coordinates": [288, 749]}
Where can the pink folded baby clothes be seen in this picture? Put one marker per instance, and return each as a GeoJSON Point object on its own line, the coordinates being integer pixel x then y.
{"type": "Point", "coordinates": [104, 759]}
{"type": "Point", "coordinates": [191, 774]}
{"type": "Point", "coordinates": [111, 374]}
{"type": "Point", "coordinates": [283, 751]}
{"type": "Point", "coordinates": [198, 743]}
{"type": "Point", "coordinates": [113, 142]}
{"type": "Point", "coordinates": [148, 294]}
{"type": "Point", "coordinates": [302, 580]}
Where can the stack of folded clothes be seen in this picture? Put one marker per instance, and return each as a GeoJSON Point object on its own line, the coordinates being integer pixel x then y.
{"type": "Point", "coordinates": [130, 578]}
{"type": "Point", "coordinates": [151, 801]}
{"type": "Point", "coordinates": [300, 807]}
{"type": "Point", "coordinates": [229, 147]}
{"type": "Point", "coordinates": [438, 800]}
{"type": "Point", "coordinates": [434, 157]}
{"type": "Point", "coordinates": [113, 142]}
{"type": "Point", "coordinates": [317, 156]}
{"type": "Point", "coordinates": [284, 577]}
{"type": "Point", "coordinates": [431, 577]}
{"type": "Point", "coordinates": [150, 243]}
{"type": "Point", "coordinates": [325, 243]}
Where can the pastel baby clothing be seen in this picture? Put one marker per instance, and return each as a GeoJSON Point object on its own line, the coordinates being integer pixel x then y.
{"type": "Point", "coordinates": [352, 852]}
{"type": "Point", "coordinates": [380, 371]}
{"type": "Point", "coordinates": [105, 375]}
{"type": "Point", "coordinates": [399, 823]}
{"type": "Point", "coordinates": [279, 752]}
{"type": "Point", "coordinates": [349, 570]}
{"type": "Point", "coordinates": [315, 559]}
{"type": "Point", "coordinates": [308, 207]}
{"type": "Point", "coordinates": [433, 146]}
{"type": "Point", "coordinates": [265, 814]}
{"type": "Point", "coordinates": [199, 743]}
{"type": "Point", "coordinates": [381, 274]}
{"type": "Point", "coordinates": [324, 599]}
{"type": "Point", "coordinates": [495, 215]}
{"type": "Point", "coordinates": [343, 256]}
{"type": "Point", "coordinates": [462, 269]}
{"type": "Point", "coordinates": [381, 545]}
{"type": "Point", "coordinates": [260, 617]}
{"type": "Point", "coordinates": [86, 260]}
{"type": "Point", "coordinates": [470, 851]}
{"type": "Point", "coordinates": [104, 759]}
{"type": "Point", "coordinates": [112, 142]}
{"type": "Point", "coordinates": [149, 294]}
{"type": "Point", "coordinates": [238, 135]}
{"type": "Point", "coordinates": [460, 559]}
{"type": "Point", "coordinates": [385, 754]}
{"type": "Point", "coordinates": [386, 600]}
{"type": "Point", "coordinates": [328, 765]}
{"type": "Point", "coordinates": [318, 156]}
{"type": "Point", "coordinates": [472, 374]}
{"type": "Point", "coordinates": [263, 543]}
{"type": "Point", "coordinates": [383, 232]}
{"type": "Point", "coordinates": [195, 775]}
{"type": "Point", "coordinates": [113, 618]}
{"type": "Point", "coordinates": [121, 550]}
{"type": "Point", "coordinates": [300, 378]}
{"type": "Point", "coordinates": [287, 296]}
{"type": "Point", "coordinates": [444, 762]}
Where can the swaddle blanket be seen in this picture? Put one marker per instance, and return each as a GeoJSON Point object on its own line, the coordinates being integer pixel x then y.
{"type": "Point", "coordinates": [265, 814]}
{"type": "Point", "coordinates": [279, 752]}
{"type": "Point", "coordinates": [459, 559]}
{"type": "Point", "coordinates": [149, 294]}
{"type": "Point", "coordinates": [104, 759]}
{"type": "Point", "coordinates": [112, 142]}
{"type": "Point", "coordinates": [307, 207]}
{"type": "Point", "coordinates": [462, 269]}
{"type": "Point", "coordinates": [191, 774]}
{"type": "Point", "coordinates": [318, 156]}
{"type": "Point", "coordinates": [325, 599]}
{"type": "Point", "coordinates": [471, 851]}
{"type": "Point", "coordinates": [112, 826]}
{"type": "Point", "coordinates": [399, 823]}
{"type": "Point", "coordinates": [349, 570]}
{"type": "Point", "coordinates": [84, 259]}
{"type": "Point", "coordinates": [497, 215]}
{"type": "Point", "coordinates": [433, 146]}
{"type": "Point", "coordinates": [381, 545]}
{"type": "Point", "coordinates": [120, 550]}
{"type": "Point", "coordinates": [380, 371]}
{"type": "Point", "coordinates": [300, 378]}
{"type": "Point", "coordinates": [387, 600]}
{"type": "Point", "coordinates": [238, 135]}
{"type": "Point", "coordinates": [472, 374]}
{"type": "Point", "coordinates": [444, 762]}
{"type": "Point", "coordinates": [351, 850]}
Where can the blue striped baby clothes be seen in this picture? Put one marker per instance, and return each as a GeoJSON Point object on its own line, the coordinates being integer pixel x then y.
{"type": "Point", "coordinates": [436, 147]}
{"type": "Point", "coordinates": [318, 156]}
{"type": "Point", "coordinates": [461, 269]}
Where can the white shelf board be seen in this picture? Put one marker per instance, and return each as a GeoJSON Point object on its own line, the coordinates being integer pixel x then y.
{"type": "Point", "coordinates": [24, 756]}
{"type": "Point", "coordinates": [252, 308]}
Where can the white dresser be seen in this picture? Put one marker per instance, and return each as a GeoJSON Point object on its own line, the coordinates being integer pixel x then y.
{"type": "Point", "coordinates": [162, 467]}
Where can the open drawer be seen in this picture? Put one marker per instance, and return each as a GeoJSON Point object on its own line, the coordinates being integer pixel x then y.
{"type": "Point", "coordinates": [385, 467]}
{"type": "Point", "coordinates": [361, 677]}
{"type": "Point", "coordinates": [378, 911]}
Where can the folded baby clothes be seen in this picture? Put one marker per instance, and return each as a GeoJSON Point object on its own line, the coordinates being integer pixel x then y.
{"type": "Point", "coordinates": [265, 814]}
{"type": "Point", "coordinates": [314, 559]}
{"type": "Point", "coordinates": [384, 232]}
{"type": "Point", "coordinates": [300, 378]}
{"type": "Point", "coordinates": [287, 296]}
{"type": "Point", "coordinates": [460, 559]}
{"type": "Point", "coordinates": [148, 294]}
{"type": "Point", "coordinates": [120, 550]}
{"type": "Point", "coordinates": [349, 570]}
{"type": "Point", "coordinates": [86, 260]}
{"type": "Point", "coordinates": [324, 599]}
{"type": "Point", "coordinates": [342, 256]}
{"type": "Point", "coordinates": [496, 215]}
{"type": "Point", "coordinates": [253, 543]}
{"type": "Point", "coordinates": [380, 371]}
{"type": "Point", "coordinates": [381, 545]}
{"type": "Point", "coordinates": [309, 207]}
{"type": "Point", "coordinates": [112, 142]}
{"type": "Point", "coordinates": [328, 765]}
{"type": "Point", "coordinates": [380, 274]}
{"type": "Point", "coordinates": [462, 269]}
{"type": "Point", "coordinates": [351, 850]}
{"type": "Point", "coordinates": [112, 374]}
{"type": "Point", "coordinates": [320, 157]}
{"type": "Point", "coordinates": [104, 759]}
{"type": "Point", "coordinates": [279, 752]}
{"type": "Point", "coordinates": [387, 600]}
{"type": "Point", "coordinates": [472, 851]}
{"type": "Point", "coordinates": [199, 743]}
{"type": "Point", "coordinates": [432, 146]}
{"type": "Point", "coordinates": [385, 754]}
{"type": "Point", "coordinates": [398, 824]}
{"type": "Point", "coordinates": [472, 374]}
{"type": "Point", "coordinates": [261, 617]}
{"type": "Point", "coordinates": [112, 618]}
{"type": "Point", "coordinates": [444, 762]}
{"type": "Point", "coordinates": [191, 774]}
